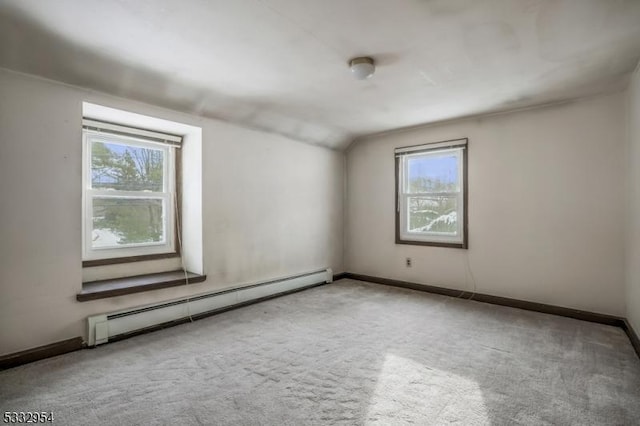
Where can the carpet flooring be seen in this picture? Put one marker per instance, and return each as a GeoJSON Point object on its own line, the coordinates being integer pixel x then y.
{"type": "Point", "coordinates": [345, 353]}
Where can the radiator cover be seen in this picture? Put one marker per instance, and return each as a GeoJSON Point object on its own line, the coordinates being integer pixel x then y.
{"type": "Point", "coordinates": [117, 324]}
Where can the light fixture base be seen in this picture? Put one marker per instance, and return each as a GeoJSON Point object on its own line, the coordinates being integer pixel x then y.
{"type": "Point", "coordinates": [362, 67]}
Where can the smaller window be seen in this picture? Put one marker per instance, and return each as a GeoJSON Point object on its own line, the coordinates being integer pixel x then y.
{"type": "Point", "coordinates": [129, 198]}
{"type": "Point", "coordinates": [431, 194]}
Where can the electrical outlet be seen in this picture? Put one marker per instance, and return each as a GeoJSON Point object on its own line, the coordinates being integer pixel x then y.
{"type": "Point", "coordinates": [408, 262]}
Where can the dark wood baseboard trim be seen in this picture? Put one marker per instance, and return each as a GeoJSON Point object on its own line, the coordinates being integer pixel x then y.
{"type": "Point", "coordinates": [207, 314]}
{"type": "Point", "coordinates": [339, 276]}
{"type": "Point", "coordinates": [497, 300]}
{"type": "Point", "coordinates": [406, 284]}
{"type": "Point", "coordinates": [633, 336]}
{"type": "Point", "coordinates": [41, 352]}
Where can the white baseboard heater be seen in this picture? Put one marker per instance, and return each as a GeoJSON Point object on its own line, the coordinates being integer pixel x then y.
{"type": "Point", "coordinates": [118, 324]}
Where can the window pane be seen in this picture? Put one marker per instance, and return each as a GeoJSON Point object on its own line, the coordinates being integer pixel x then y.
{"type": "Point", "coordinates": [119, 222]}
{"type": "Point", "coordinates": [433, 214]}
{"type": "Point", "coordinates": [433, 172]}
{"type": "Point", "coordinates": [126, 168]}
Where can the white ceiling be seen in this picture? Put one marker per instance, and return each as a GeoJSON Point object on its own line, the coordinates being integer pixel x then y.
{"type": "Point", "coordinates": [281, 65]}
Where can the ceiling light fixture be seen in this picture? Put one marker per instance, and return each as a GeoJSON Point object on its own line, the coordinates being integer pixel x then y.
{"type": "Point", "coordinates": [362, 68]}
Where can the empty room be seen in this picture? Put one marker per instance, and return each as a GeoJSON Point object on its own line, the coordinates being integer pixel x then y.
{"type": "Point", "coordinates": [292, 212]}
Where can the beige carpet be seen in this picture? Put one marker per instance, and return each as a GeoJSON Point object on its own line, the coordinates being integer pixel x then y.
{"type": "Point", "coordinates": [346, 353]}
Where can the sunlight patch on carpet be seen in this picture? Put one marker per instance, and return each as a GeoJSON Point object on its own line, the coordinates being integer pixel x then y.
{"type": "Point", "coordinates": [409, 392]}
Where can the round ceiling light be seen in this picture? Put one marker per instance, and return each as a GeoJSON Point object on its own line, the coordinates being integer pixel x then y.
{"type": "Point", "coordinates": [362, 68]}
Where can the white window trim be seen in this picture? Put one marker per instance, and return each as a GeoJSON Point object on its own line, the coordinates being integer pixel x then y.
{"type": "Point", "coordinates": [167, 195]}
{"type": "Point", "coordinates": [403, 155]}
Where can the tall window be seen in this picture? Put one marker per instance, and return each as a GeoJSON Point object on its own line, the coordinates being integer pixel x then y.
{"type": "Point", "coordinates": [129, 199]}
{"type": "Point", "coordinates": [431, 194]}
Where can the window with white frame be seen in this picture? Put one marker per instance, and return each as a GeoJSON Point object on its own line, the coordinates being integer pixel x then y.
{"type": "Point", "coordinates": [129, 192]}
{"type": "Point", "coordinates": [431, 194]}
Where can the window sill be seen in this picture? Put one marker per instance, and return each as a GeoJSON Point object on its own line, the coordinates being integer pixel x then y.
{"type": "Point", "coordinates": [432, 244]}
{"type": "Point", "coordinates": [103, 289]}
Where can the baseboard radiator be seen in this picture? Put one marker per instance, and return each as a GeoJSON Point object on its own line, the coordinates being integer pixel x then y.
{"type": "Point", "coordinates": [121, 323]}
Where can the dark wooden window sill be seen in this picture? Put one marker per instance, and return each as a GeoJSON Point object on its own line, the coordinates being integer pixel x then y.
{"type": "Point", "coordinates": [120, 286]}
{"type": "Point", "coordinates": [432, 244]}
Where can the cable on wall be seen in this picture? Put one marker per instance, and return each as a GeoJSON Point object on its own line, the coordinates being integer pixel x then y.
{"type": "Point", "coordinates": [179, 238]}
{"type": "Point", "coordinates": [473, 278]}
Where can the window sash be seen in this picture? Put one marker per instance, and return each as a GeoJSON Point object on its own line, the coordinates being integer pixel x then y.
{"type": "Point", "coordinates": [167, 196]}
{"type": "Point", "coordinates": [427, 236]}
{"type": "Point", "coordinates": [166, 205]}
{"type": "Point", "coordinates": [91, 137]}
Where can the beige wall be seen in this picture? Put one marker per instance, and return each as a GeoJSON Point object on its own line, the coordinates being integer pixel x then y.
{"type": "Point", "coordinates": [633, 248]}
{"type": "Point", "coordinates": [546, 207]}
{"type": "Point", "coordinates": [271, 207]}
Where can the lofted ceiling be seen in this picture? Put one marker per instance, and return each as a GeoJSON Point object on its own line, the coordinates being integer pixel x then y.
{"type": "Point", "coordinates": [281, 65]}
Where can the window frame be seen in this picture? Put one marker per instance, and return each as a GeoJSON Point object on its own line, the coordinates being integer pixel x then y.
{"type": "Point", "coordinates": [93, 131]}
{"type": "Point", "coordinates": [402, 235]}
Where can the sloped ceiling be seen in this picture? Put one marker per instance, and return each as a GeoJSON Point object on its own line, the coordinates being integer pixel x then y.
{"type": "Point", "coordinates": [281, 65]}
